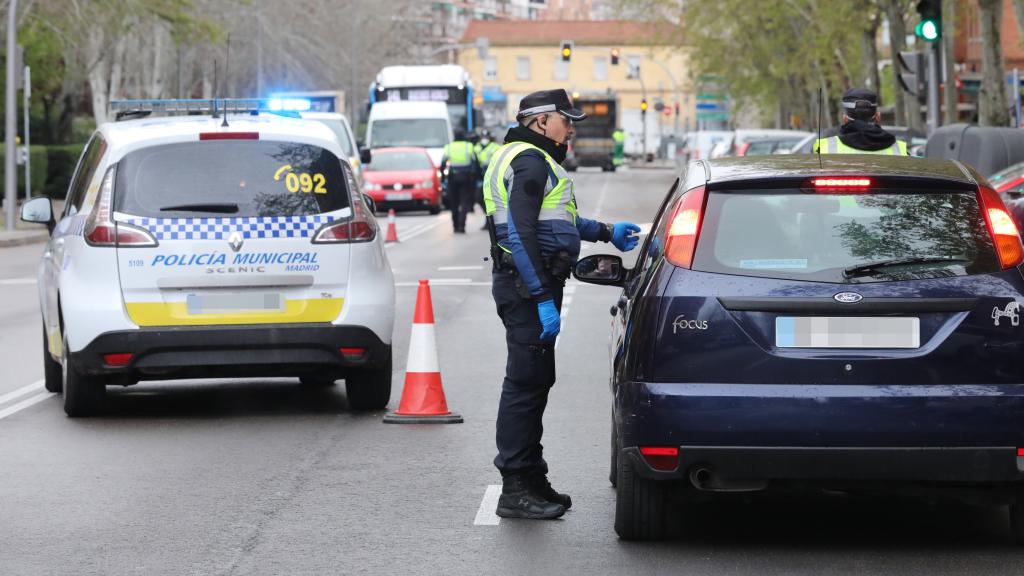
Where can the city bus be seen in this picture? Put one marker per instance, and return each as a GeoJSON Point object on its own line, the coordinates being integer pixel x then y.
{"type": "Point", "coordinates": [448, 83]}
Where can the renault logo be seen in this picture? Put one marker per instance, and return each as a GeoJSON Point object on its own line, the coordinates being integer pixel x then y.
{"type": "Point", "coordinates": [848, 297]}
{"type": "Point", "coordinates": [235, 241]}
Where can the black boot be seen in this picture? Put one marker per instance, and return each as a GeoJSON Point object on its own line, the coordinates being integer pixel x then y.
{"type": "Point", "coordinates": [543, 487]}
{"type": "Point", "coordinates": [519, 499]}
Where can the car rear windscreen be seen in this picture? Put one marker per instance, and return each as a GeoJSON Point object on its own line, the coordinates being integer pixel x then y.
{"type": "Point", "coordinates": [400, 161]}
{"type": "Point", "coordinates": [420, 132]}
{"type": "Point", "coordinates": [230, 178]}
{"type": "Point", "coordinates": [869, 237]}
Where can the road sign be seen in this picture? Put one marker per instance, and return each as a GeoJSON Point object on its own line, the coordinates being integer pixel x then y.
{"type": "Point", "coordinates": [712, 116]}
{"type": "Point", "coordinates": [710, 106]}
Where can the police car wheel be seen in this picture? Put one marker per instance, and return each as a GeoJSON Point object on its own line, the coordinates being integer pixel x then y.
{"type": "Point", "coordinates": [639, 505]}
{"type": "Point", "coordinates": [614, 472]}
{"type": "Point", "coordinates": [1017, 518]}
{"type": "Point", "coordinates": [83, 395]}
{"type": "Point", "coordinates": [52, 372]}
{"type": "Point", "coordinates": [369, 388]}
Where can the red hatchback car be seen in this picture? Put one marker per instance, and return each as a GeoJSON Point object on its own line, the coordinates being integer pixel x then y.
{"type": "Point", "coordinates": [403, 178]}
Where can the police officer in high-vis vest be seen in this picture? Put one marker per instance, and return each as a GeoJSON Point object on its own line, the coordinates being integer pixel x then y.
{"type": "Point", "coordinates": [535, 235]}
{"type": "Point", "coordinates": [463, 168]}
{"type": "Point", "coordinates": [861, 132]}
{"type": "Point", "coordinates": [485, 150]}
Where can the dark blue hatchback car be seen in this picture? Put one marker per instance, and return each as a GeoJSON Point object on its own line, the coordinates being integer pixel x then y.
{"type": "Point", "coordinates": [849, 321]}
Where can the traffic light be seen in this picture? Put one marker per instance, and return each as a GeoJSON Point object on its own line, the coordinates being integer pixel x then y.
{"type": "Point", "coordinates": [566, 50]}
{"type": "Point", "coordinates": [929, 28]}
{"type": "Point", "coordinates": [643, 107]}
{"type": "Point", "coordinates": [615, 56]}
{"type": "Point", "coordinates": [913, 74]}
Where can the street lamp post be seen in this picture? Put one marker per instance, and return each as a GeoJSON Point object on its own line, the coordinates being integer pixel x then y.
{"type": "Point", "coordinates": [10, 123]}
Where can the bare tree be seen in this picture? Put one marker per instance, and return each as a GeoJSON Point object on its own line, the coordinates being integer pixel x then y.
{"type": "Point", "coordinates": [895, 9]}
{"type": "Point", "coordinates": [993, 109]}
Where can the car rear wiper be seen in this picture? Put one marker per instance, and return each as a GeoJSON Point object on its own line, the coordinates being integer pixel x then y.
{"type": "Point", "coordinates": [866, 269]}
{"type": "Point", "coordinates": [219, 208]}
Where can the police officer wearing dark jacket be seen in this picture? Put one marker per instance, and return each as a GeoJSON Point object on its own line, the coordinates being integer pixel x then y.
{"type": "Point", "coordinates": [535, 234]}
{"type": "Point", "coordinates": [861, 132]}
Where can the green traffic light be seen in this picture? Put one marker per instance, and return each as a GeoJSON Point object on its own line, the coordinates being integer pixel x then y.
{"type": "Point", "coordinates": [927, 30]}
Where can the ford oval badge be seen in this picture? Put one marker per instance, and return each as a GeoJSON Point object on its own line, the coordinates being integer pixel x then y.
{"type": "Point", "coordinates": [848, 297]}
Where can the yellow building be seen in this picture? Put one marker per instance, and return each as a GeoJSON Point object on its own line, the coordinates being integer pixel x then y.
{"type": "Point", "coordinates": [526, 56]}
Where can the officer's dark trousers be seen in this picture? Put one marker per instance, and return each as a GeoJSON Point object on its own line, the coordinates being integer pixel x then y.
{"type": "Point", "coordinates": [529, 375]}
{"type": "Point", "coordinates": [462, 194]}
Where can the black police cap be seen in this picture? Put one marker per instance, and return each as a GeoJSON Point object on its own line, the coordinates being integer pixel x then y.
{"type": "Point", "coordinates": [860, 98]}
{"type": "Point", "coordinates": [549, 101]}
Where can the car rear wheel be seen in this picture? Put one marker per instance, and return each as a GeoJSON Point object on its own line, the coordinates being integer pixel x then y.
{"type": "Point", "coordinates": [369, 388]}
{"type": "Point", "coordinates": [435, 210]}
{"type": "Point", "coordinates": [1017, 518]}
{"type": "Point", "coordinates": [639, 504]}
{"type": "Point", "coordinates": [83, 395]}
{"type": "Point", "coordinates": [53, 377]}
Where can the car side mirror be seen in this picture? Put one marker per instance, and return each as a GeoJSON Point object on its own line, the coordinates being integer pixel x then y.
{"type": "Point", "coordinates": [601, 269]}
{"type": "Point", "coordinates": [39, 211]}
{"type": "Point", "coordinates": [365, 156]}
{"type": "Point", "coordinates": [371, 203]}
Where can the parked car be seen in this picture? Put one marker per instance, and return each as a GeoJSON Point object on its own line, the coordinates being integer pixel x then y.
{"type": "Point", "coordinates": [403, 179]}
{"type": "Point", "coordinates": [204, 247]}
{"type": "Point", "coordinates": [852, 327]}
{"type": "Point", "coordinates": [699, 144]}
{"type": "Point", "coordinates": [739, 142]}
{"type": "Point", "coordinates": [405, 123]}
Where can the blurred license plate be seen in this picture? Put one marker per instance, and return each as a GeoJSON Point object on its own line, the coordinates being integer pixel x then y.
{"type": "Point", "coordinates": [847, 332]}
{"type": "Point", "coordinates": [398, 196]}
{"type": "Point", "coordinates": [233, 303]}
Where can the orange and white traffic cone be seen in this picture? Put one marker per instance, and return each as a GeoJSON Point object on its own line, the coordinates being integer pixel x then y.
{"type": "Point", "coordinates": [392, 232]}
{"type": "Point", "coordinates": [423, 399]}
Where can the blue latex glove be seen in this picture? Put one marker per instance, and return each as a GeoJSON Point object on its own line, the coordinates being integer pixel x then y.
{"type": "Point", "coordinates": [549, 319]}
{"type": "Point", "coordinates": [624, 236]}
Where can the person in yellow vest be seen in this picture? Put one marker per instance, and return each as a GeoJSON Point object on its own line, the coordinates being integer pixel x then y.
{"type": "Point", "coordinates": [861, 132]}
{"type": "Point", "coordinates": [484, 149]}
{"type": "Point", "coordinates": [462, 170]}
{"type": "Point", "coordinates": [535, 240]}
{"type": "Point", "coordinates": [619, 150]}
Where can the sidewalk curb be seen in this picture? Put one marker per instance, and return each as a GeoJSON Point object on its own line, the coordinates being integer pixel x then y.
{"type": "Point", "coordinates": [32, 237]}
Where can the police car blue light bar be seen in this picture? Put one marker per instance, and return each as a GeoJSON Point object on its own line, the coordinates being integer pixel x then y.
{"type": "Point", "coordinates": [126, 109]}
{"type": "Point", "coordinates": [289, 105]}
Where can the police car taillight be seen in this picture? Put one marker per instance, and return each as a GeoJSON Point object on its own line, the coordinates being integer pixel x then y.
{"type": "Point", "coordinates": [101, 230]}
{"type": "Point", "coordinates": [361, 228]}
{"type": "Point", "coordinates": [684, 228]}
{"type": "Point", "coordinates": [842, 185]}
{"type": "Point", "coordinates": [1001, 227]}
{"type": "Point", "coordinates": [229, 136]}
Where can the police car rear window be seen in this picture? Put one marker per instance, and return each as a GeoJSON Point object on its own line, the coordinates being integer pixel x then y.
{"type": "Point", "coordinates": [230, 179]}
{"type": "Point", "coordinates": [837, 237]}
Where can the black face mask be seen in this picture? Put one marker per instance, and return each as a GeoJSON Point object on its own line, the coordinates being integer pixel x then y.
{"type": "Point", "coordinates": [523, 134]}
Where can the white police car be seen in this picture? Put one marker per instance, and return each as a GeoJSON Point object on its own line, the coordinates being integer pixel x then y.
{"type": "Point", "coordinates": [193, 247]}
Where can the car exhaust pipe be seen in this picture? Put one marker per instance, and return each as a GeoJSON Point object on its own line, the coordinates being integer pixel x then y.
{"type": "Point", "coordinates": [704, 479]}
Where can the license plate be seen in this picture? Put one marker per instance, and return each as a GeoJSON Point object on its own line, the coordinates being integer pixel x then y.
{"type": "Point", "coordinates": [233, 303]}
{"type": "Point", "coordinates": [847, 332]}
{"type": "Point", "coordinates": [398, 196]}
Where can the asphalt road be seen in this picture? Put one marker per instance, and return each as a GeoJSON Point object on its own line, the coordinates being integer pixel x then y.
{"type": "Point", "coordinates": [271, 477]}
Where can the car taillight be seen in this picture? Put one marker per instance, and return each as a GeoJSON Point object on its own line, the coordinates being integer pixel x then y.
{"type": "Point", "coordinates": [101, 230]}
{"type": "Point", "coordinates": [1000, 225]}
{"type": "Point", "coordinates": [203, 136]}
{"type": "Point", "coordinates": [843, 185]}
{"type": "Point", "coordinates": [684, 228]}
{"type": "Point", "coordinates": [664, 458]}
{"type": "Point", "coordinates": [360, 228]}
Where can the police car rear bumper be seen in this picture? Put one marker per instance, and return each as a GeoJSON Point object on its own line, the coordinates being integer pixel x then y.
{"type": "Point", "coordinates": [234, 351]}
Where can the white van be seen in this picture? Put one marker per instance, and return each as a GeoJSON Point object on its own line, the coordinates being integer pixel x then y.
{"type": "Point", "coordinates": [417, 124]}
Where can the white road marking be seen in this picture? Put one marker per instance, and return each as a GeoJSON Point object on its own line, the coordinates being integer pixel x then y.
{"type": "Point", "coordinates": [33, 387]}
{"type": "Point", "coordinates": [31, 401]}
{"type": "Point", "coordinates": [454, 268]}
{"type": "Point", "coordinates": [442, 282]}
{"type": "Point", "coordinates": [600, 198]}
{"type": "Point", "coordinates": [485, 515]}
{"type": "Point", "coordinates": [417, 231]}
{"type": "Point", "coordinates": [17, 281]}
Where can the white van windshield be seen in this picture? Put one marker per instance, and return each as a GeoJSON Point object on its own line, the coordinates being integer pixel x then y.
{"type": "Point", "coordinates": [420, 132]}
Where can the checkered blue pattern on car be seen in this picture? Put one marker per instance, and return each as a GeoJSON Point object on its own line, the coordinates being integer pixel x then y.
{"type": "Point", "coordinates": [221, 228]}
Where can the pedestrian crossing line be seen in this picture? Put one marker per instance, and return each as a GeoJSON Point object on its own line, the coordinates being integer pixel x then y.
{"type": "Point", "coordinates": [36, 386]}
{"type": "Point", "coordinates": [485, 515]}
{"type": "Point", "coordinates": [31, 401]}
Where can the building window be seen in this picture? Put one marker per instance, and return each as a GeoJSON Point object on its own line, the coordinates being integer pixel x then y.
{"type": "Point", "coordinates": [634, 64]}
{"type": "Point", "coordinates": [491, 69]}
{"type": "Point", "coordinates": [600, 68]}
{"type": "Point", "coordinates": [523, 68]}
{"type": "Point", "coordinates": [561, 69]}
